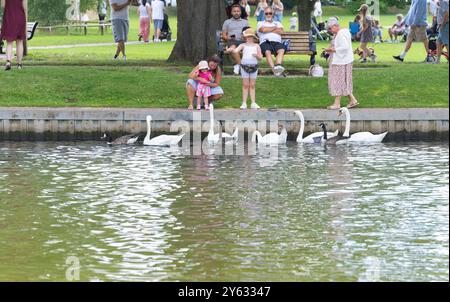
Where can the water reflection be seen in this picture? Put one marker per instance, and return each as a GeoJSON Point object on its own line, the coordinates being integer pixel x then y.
{"type": "Point", "coordinates": [375, 212]}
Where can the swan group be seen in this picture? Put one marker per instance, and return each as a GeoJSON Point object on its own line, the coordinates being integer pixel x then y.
{"type": "Point", "coordinates": [273, 138]}
{"type": "Point", "coordinates": [313, 138]}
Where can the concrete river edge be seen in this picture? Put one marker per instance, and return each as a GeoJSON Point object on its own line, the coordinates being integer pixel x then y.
{"type": "Point", "coordinates": [68, 123]}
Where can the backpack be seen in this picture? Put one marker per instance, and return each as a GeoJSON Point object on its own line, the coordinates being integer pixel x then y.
{"type": "Point", "coordinates": [316, 71]}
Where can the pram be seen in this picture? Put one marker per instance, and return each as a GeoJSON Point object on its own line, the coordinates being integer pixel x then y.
{"type": "Point", "coordinates": [166, 32]}
{"type": "Point", "coordinates": [432, 45]}
{"type": "Point", "coordinates": [318, 30]}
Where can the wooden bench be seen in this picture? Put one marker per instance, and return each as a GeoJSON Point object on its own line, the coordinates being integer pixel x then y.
{"type": "Point", "coordinates": [301, 43]}
{"type": "Point", "coordinates": [31, 28]}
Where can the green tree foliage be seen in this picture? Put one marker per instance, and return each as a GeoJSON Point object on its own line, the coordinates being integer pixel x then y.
{"type": "Point", "coordinates": [47, 11]}
{"type": "Point", "coordinates": [54, 11]}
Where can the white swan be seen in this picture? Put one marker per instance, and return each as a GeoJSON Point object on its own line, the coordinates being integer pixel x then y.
{"type": "Point", "coordinates": [272, 138]}
{"type": "Point", "coordinates": [214, 138]}
{"type": "Point", "coordinates": [315, 137]}
{"type": "Point", "coordinates": [162, 140]}
{"type": "Point", "coordinates": [360, 137]}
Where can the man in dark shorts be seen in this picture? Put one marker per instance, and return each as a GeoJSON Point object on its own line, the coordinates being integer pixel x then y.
{"type": "Point", "coordinates": [232, 34]}
{"type": "Point", "coordinates": [269, 32]}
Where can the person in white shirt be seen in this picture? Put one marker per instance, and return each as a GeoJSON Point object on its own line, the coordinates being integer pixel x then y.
{"type": "Point", "coordinates": [157, 17]}
{"type": "Point", "coordinates": [340, 79]}
{"type": "Point", "coordinates": [269, 32]}
{"type": "Point", "coordinates": [251, 54]}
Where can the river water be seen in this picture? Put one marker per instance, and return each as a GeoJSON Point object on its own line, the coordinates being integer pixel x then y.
{"type": "Point", "coordinates": [345, 213]}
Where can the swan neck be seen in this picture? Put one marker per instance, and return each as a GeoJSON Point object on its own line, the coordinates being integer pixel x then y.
{"type": "Point", "coordinates": [211, 119]}
{"type": "Point", "coordinates": [347, 123]}
{"type": "Point", "coordinates": [149, 130]}
{"type": "Point", "coordinates": [302, 127]}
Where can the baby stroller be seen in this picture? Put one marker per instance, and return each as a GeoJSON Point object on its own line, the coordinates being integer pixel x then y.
{"type": "Point", "coordinates": [432, 45]}
{"type": "Point", "coordinates": [166, 33]}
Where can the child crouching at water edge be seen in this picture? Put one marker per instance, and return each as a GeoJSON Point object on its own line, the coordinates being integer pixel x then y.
{"type": "Point", "coordinates": [203, 90]}
{"type": "Point", "coordinates": [251, 55]}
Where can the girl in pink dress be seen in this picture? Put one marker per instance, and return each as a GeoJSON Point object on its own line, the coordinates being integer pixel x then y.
{"type": "Point", "coordinates": [203, 89]}
{"type": "Point", "coordinates": [14, 28]}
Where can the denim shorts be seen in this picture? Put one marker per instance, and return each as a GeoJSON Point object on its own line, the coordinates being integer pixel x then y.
{"type": "Point", "coordinates": [214, 91]}
{"type": "Point", "coordinates": [158, 23]}
{"type": "Point", "coordinates": [443, 34]}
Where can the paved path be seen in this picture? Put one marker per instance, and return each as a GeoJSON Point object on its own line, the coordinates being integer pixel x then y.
{"type": "Point", "coordinates": [83, 45]}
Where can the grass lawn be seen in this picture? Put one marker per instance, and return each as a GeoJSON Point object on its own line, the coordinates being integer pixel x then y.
{"type": "Point", "coordinates": [87, 76]}
{"type": "Point", "coordinates": [412, 85]}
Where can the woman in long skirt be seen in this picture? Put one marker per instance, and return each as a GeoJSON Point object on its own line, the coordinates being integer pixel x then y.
{"type": "Point", "coordinates": [340, 77]}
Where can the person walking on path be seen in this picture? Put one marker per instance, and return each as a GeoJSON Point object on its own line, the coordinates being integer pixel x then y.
{"type": "Point", "coordinates": [416, 19]}
{"type": "Point", "coordinates": [157, 17]}
{"type": "Point", "coordinates": [251, 54]}
{"type": "Point", "coordinates": [340, 78]}
{"type": "Point", "coordinates": [442, 26]}
{"type": "Point", "coordinates": [365, 34]}
{"type": "Point", "coordinates": [14, 27]}
{"type": "Point", "coordinates": [120, 24]}
{"type": "Point", "coordinates": [144, 12]}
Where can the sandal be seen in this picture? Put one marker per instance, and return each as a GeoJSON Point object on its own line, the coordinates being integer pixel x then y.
{"type": "Point", "coordinates": [191, 108]}
{"type": "Point", "coordinates": [351, 105]}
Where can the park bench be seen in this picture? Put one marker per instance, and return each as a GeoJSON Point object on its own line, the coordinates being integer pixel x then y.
{"type": "Point", "coordinates": [31, 28]}
{"type": "Point", "coordinates": [301, 43]}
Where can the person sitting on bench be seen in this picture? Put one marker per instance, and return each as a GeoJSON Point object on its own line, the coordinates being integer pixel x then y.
{"type": "Point", "coordinates": [269, 32]}
{"type": "Point", "coordinates": [232, 34]}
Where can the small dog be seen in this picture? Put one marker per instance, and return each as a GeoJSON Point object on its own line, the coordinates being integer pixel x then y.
{"type": "Point", "coordinates": [372, 55]}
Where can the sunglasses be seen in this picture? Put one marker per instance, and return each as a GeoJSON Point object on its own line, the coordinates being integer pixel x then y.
{"type": "Point", "coordinates": [269, 14]}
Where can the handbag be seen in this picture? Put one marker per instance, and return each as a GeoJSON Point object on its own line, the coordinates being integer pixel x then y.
{"type": "Point", "coordinates": [250, 68]}
{"type": "Point", "coordinates": [316, 71]}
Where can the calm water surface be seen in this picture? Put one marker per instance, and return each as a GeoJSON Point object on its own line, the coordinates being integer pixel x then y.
{"type": "Point", "coordinates": [348, 213]}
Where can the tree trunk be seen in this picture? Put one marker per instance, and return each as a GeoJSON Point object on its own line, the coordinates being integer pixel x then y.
{"type": "Point", "coordinates": [198, 21]}
{"type": "Point", "coordinates": [304, 9]}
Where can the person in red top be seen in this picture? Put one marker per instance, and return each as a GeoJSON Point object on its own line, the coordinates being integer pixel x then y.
{"type": "Point", "coordinates": [14, 28]}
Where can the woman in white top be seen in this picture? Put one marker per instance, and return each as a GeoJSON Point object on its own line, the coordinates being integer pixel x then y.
{"type": "Point", "coordinates": [340, 80]}
{"type": "Point", "coordinates": [251, 55]}
{"type": "Point", "coordinates": [278, 9]}
{"type": "Point", "coordinates": [144, 12]}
